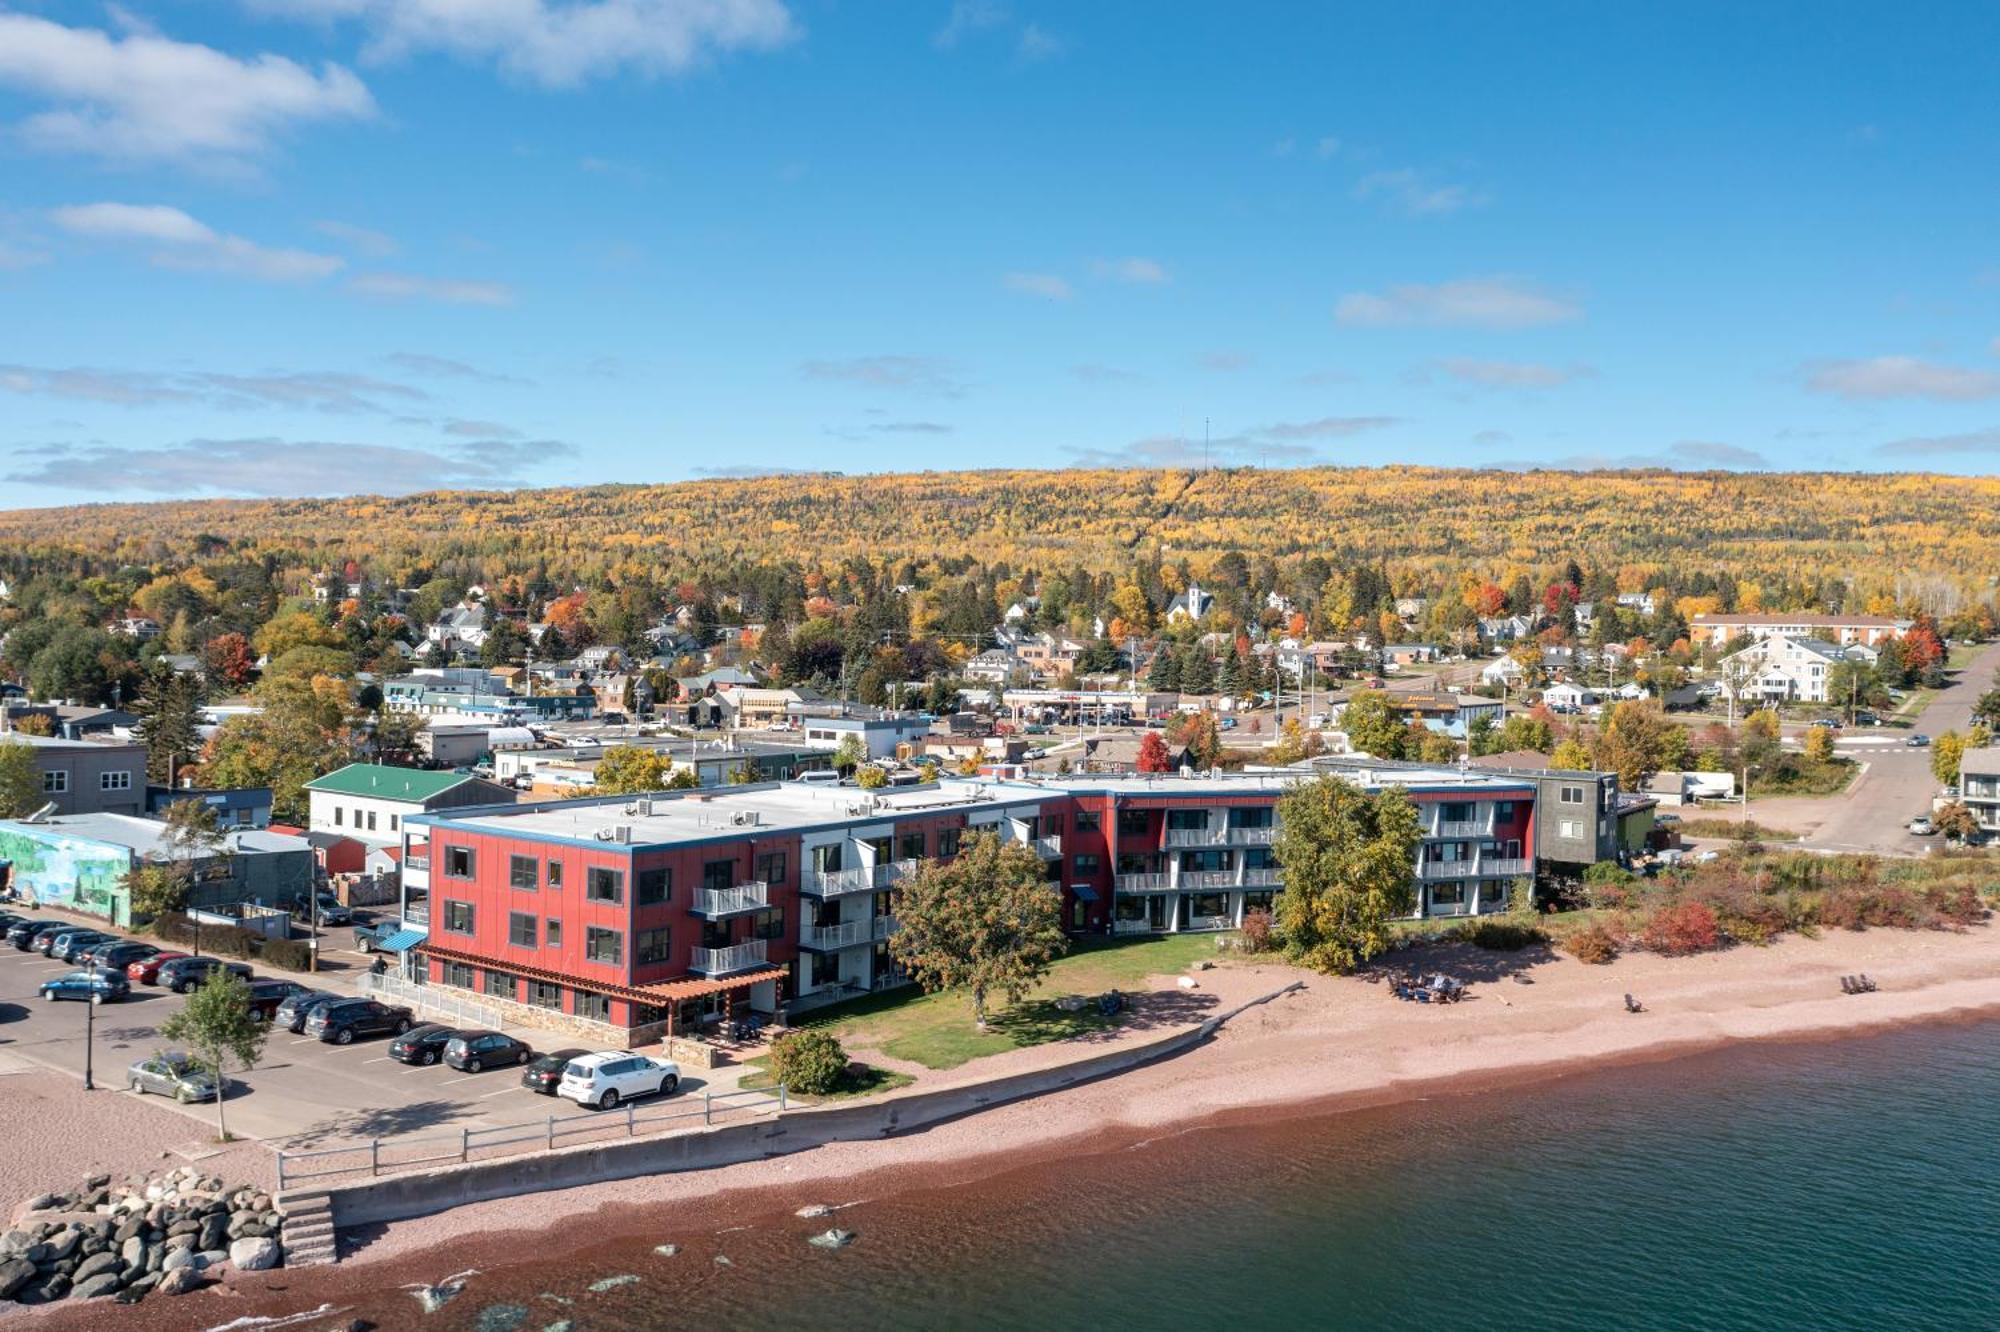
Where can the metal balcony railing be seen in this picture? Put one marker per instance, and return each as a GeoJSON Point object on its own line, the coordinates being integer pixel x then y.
{"type": "Point", "coordinates": [1142, 883]}
{"type": "Point", "coordinates": [743, 897]}
{"type": "Point", "coordinates": [1194, 837]}
{"type": "Point", "coordinates": [834, 883]}
{"type": "Point", "coordinates": [722, 961]}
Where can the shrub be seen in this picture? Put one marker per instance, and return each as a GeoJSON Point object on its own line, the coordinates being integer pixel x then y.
{"type": "Point", "coordinates": [1681, 929]}
{"type": "Point", "coordinates": [1259, 934]}
{"type": "Point", "coordinates": [1960, 906]}
{"type": "Point", "coordinates": [291, 954]}
{"type": "Point", "coordinates": [1745, 914]}
{"type": "Point", "coordinates": [809, 1061]}
{"type": "Point", "coordinates": [222, 940]}
{"type": "Point", "coordinates": [1594, 944]}
{"type": "Point", "coordinates": [1507, 936]}
{"type": "Point", "coordinates": [1884, 905]}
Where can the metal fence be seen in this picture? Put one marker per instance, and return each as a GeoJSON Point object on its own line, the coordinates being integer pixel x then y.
{"type": "Point", "coordinates": [454, 1008]}
{"type": "Point", "coordinates": [413, 1151]}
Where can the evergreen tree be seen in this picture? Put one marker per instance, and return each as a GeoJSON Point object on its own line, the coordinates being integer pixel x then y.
{"type": "Point", "coordinates": [169, 712]}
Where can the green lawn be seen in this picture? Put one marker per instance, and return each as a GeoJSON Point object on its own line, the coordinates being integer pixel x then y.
{"type": "Point", "coordinates": [937, 1031]}
{"type": "Point", "coordinates": [861, 1080]}
{"type": "Point", "coordinates": [1805, 778]}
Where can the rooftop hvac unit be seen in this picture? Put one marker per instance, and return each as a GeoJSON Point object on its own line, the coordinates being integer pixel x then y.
{"type": "Point", "coordinates": [643, 808]}
{"type": "Point", "coordinates": [743, 818]}
{"type": "Point", "coordinates": [621, 832]}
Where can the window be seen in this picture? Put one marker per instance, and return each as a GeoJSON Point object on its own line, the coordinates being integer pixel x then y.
{"type": "Point", "coordinates": [1208, 904]}
{"type": "Point", "coordinates": [948, 839]}
{"type": "Point", "coordinates": [1132, 822]}
{"type": "Point", "coordinates": [1504, 812]}
{"type": "Point", "coordinates": [552, 932]}
{"type": "Point", "coordinates": [541, 994]}
{"type": "Point", "coordinates": [655, 886]}
{"type": "Point", "coordinates": [339, 815]}
{"type": "Point", "coordinates": [458, 917]}
{"type": "Point", "coordinates": [603, 885]}
{"type": "Point", "coordinates": [371, 820]}
{"type": "Point", "coordinates": [500, 985]}
{"type": "Point", "coordinates": [459, 974]}
{"type": "Point", "coordinates": [1571, 827]}
{"type": "Point", "coordinates": [1456, 811]}
{"type": "Point", "coordinates": [521, 929]}
{"type": "Point", "coordinates": [458, 862]}
{"type": "Point", "coordinates": [768, 925]}
{"type": "Point", "coordinates": [593, 1006]}
{"type": "Point", "coordinates": [394, 821]}
{"type": "Point", "coordinates": [1448, 894]}
{"type": "Point", "coordinates": [114, 781]}
{"type": "Point", "coordinates": [1570, 795]}
{"type": "Point", "coordinates": [715, 875]}
{"type": "Point", "coordinates": [771, 866]}
{"type": "Point", "coordinates": [521, 872]}
{"type": "Point", "coordinates": [1086, 866]}
{"type": "Point", "coordinates": [1188, 818]}
{"type": "Point", "coordinates": [652, 946]}
{"type": "Point", "coordinates": [1260, 817]}
{"type": "Point", "coordinates": [825, 969]}
{"type": "Point", "coordinates": [910, 846]}
{"type": "Point", "coordinates": [602, 945]}
{"type": "Point", "coordinates": [1087, 820]}
{"type": "Point", "coordinates": [826, 859]}
{"type": "Point", "coordinates": [555, 874]}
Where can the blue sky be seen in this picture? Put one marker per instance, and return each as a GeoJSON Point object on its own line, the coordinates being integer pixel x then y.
{"type": "Point", "coordinates": [323, 246]}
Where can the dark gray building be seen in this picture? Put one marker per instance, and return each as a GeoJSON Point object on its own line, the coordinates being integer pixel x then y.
{"type": "Point", "coordinates": [1576, 812]}
{"type": "Point", "coordinates": [88, 776]}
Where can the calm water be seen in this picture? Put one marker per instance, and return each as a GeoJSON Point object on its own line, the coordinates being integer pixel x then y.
{"type": "Point", "coordinates": [1836, 1185]}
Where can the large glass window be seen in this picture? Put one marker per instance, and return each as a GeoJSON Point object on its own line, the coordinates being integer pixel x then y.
{"type": "Point", "coordinates": [593, 1006]}
{"type": "Point", "coordinates": [602, 945]}
{"type": "Point", "coordinates": [768, 925]}
{"type": "Point", "coordinates": [500, 985]}
{"type": "Point", "coordinates": [521, 872]}
{"type": "Point", "coordinates": [459, 862]}
{"type": "Point", "coordinates": [653, 946]}
{"type": "Point", "coordinates": [771, 866]}
{"type": "Point", "coordinates": [543, 994]}
{"type": "Point", "coordinates": [458, 917]}
{"type": "Point", "coordinates": [910, 846]}
{"type": "Point", "coordinates": [1262, 816]}
{"type": "Point", "coordinates": [1086, 866]}
{"type": "Point", "coordinates": [947, 842]}
{"type": "Point", "coordinates": [521, 929]}
{"type": "Point", "coordinates": [603, 885]}
{"type": "Point", "coordinates": [458, 974]}
{"type": "Point", "coordinates": [656, 885]}
{"type": "Point", "coordinates": [718, 874]}
{"type": "Point", "coordinates": [1208, 904]}
{"type": "Point", "coordinates": [1187, 818]}
{"type": "Point", "coordinates": [1132, 822]}
{"type": "Point", "coordinates": [1086, 820]}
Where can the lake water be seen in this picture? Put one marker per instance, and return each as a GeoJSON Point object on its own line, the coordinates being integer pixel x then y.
{"type": "Point", "coordinates": [1847, 1184]}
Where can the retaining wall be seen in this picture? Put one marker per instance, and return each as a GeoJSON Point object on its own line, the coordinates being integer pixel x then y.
{"type": "Point", "coordinates": [419, 1193]}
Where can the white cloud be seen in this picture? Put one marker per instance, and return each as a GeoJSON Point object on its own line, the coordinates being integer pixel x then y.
{"type": "Point", "coordinates": [186, 242]}
{"type": "Point", "coordinates": [1408, 191]}
{"type": "Point", "coordinates": [445, 291]}
{"type": "Point", "coordinates": [443, 367]}
{"type": "Point", "coordinates": [362, 240]}
{"type": "Point", "coordinates": [1483, 302]}
{"type": "Point", "coordinates": [559, 43]}
{"type": "Point", "coordinates": [1135, 268]}
{"type": "Point", "coordinates": [1327, 147]}
{"type": "Point", "coordinates": [1688, 455]}
{"type": "Point", "coordinates": [1511, 374]}
{"type": "Point", "coordinates": [1283, 442]}
{"type": "Point", "coordinates": [311, 390]}
{"type": "Point", "coordinates": [918, 374]}
{"type": "Point", "coordinates": [140, 96]}
{"type": "Point", "coordinates": [1046, 285]}
{"type": "Point", "coordinates": [1901, 377]}
{"type": "Point", "coordinates": [966, 18]}
{"type": "Point", "coordinates": [273, 467]}
{"type": "Point", "coordinates": [1974, 441]}
{"type": "Point", "coordinates": [15, 256]}
{"type": "Point", "coordinates": [1039, 44]}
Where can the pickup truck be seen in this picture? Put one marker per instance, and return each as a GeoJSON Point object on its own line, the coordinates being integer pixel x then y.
{"type": "Point", "coordinates": [368, 938]}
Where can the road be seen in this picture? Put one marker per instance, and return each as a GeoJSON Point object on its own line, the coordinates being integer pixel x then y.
{"type": "Point", "coordinates": [1897, 785]}
{"type": "Point", "coordinates": [304, 1092]}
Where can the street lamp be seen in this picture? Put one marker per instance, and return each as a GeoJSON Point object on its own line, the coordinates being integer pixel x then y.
{"type": "Point", "coordinates": [90, 1030]}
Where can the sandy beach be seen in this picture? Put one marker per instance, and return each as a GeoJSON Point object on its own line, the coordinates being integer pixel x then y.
{"type": "Point", "coordinates": [1337, 1043]}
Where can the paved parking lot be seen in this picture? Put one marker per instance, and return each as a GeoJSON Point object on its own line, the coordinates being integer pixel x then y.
{"type": "Point", "coordinates": [305, 1093]}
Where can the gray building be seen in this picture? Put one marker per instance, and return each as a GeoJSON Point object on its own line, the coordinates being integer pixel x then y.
{"type": "Point", "coordinates": [88, 776]}
{"type": "Point", "coordinates": [1979, 785]}
{"type": "Point", "coordinates": [1576, 812]}
{"type": "Point", "coordinates": [80, 861]}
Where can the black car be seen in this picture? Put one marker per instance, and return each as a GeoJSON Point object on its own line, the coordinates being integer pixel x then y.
{"type": "Point", "coordinates": [65, 946]}
{"type": "Point", "coordinates": [87, 953]}
{"type": "Point", "coordinates": [184, 973]}
{"type": "Point", "coordinates": [119, 956]}
{"type": "Point", "coordinates": [50, 931]}
{"type": "Point", "coordinates": [292, 1012]}
{"type": "Point", "coordinates": [474, 1051]}
{"type": "Point", "coordinates": [342, 1022]}
{"type": "Point", "coordinates": [545, 1071]}
{"type": "Point", "coordinates": [268, 995]}
{"type": "Point", "coordinates": [422, 1045]}
{"type": "Point", "coordinates": [22, 932]}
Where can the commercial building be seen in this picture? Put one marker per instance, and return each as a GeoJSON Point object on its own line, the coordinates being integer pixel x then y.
{"type": "Point", "coordinates": [879, 735]}
{"type": "Point", "coordinates": [1841, 630]}
{"type": "Point", "coordinates": [80, 861]}
{"type": "Point", "coordinates": [622, 917]}
{"type": "Point", "coordinates": [369, 801]}
{"type": "Point", "coordinates": [88, 776]}
{"type": "Point", "coordinates": [1577, 810]}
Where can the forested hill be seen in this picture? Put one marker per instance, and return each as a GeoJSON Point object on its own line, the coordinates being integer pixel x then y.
{"type": "Point", "coordinates": [1802, 524]}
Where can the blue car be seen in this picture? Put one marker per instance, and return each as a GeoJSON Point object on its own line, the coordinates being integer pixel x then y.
{"type": "Point", "coordinates": [96, 986]}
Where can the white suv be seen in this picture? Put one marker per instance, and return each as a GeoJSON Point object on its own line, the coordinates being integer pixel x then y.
{"type": "Point", "coordinates": [603, 1080]}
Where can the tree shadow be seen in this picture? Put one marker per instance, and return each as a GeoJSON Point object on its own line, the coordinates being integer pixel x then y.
{"type": "Point", "coordinates": [1042, 1021]}
{"type": "Point", "coordinates": [11, 1012]}
{"type": "Point", "coordinates": [381, 1122]}
{"type": "Point", "coordinates": [1461, 961]}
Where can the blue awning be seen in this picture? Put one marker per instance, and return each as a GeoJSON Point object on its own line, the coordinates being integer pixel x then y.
{"type": "Point", "coordinates": [1084, 892]}
{"type": "Point", "coordinates": [403, 940]}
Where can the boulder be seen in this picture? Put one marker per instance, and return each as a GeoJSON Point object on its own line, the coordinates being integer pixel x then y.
{"type": "Point", "coordinates": [14, 1241]}
{"type": "Point", "coordinates": [214, 1231]}
{"type": "Point", "coordinates": [187, 1225]}
{"type": "Point", "coordinates": [14, 1274]}
{"type": "Point", "coordinates": [835, 1238]}
{"type": "Point", "coordinates": [93, 1265]}
{"type": "Point", "coordinates": [255, 1253]}
{"type": "Point", "coordinates": [176, 1259]}
{"type": "Point", "coordinates": [179, 1281]}
{"type": "Point", "coordinates": [46, 1202]}
{"type": "Point", "coordinates": [62, 1244]}
{"type": "Point", "coordinates": [142, 1283]}
{"type": "Point", "coordinates": [811, 1210]}
{"type": "Point", "coordinates": [212, 1257]}
{"type": "Point", "coordinates": [104, 1283]}
{"type": "Point", "coordinates": [135, 1249]}
{"type": "Point", "coordinates": [128, 1229]}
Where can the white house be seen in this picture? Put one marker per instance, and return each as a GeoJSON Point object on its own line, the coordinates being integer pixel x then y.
{"type": "Point", "coordinates": [369, 801]}
{"type": "Point", "coordinates": [1569, 697]}
{"type": "Point", "coordinates": [1503, 671]}
{"type": "Point", "coordinates": [1782, 669]}
{"type": "Point", "coordinates": [1189, 605]}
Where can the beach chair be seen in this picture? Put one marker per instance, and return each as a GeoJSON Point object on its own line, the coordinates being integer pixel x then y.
{"type": "Point", "coordinates": [1867, 986]}
{"type": "Point", "coordinates": [1847, 985]}
{"type": "Point", "coordinates": [1633, 1005]}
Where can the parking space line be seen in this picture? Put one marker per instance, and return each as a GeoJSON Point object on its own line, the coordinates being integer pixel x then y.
{"type": "Point", "coordinates": [308, 1040]}
{"type": "Point", "coordinates": [453, 1081]}
{"type": "Point", "coordinates": [502, 1092]}
{"type": "Point", "coordinates": [378, 1059]}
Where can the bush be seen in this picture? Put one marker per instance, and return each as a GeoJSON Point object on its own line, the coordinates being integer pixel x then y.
{"type": "Point", "coordinates": [808, 1061]}
{"type": "Point", "coordinates": [1594, 944]}
{"type": "Point", "coordinates": [291, 954]}
{"type": "Point", "coordinates": [1259, 935]}
{"type": "Point", "coordinates": [221, 940]}
{"type": "Point", "coordinates": [1745, 914]}
{"type": "Point", "coordinates": [1681, 929]}
{"type": "Point", "coordinates": [1507, 936]}
{"type": "Point", "coordinates": [1883, 905]}
{"type": "Point", "coordinates": [1960, 906]}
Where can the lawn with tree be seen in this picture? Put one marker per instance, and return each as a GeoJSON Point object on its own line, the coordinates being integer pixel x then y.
{"type": "Point", "coordinates": [220, 1031]}
{"type": "Point", "coordinates": [1346, 855]}
{"type": "Point", "coordinates": [987, 921]}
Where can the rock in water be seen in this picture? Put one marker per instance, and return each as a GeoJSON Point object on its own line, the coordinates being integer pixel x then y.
{"type": "Point", "coordinates": [666, 1250]}
{"type": "Point", "coordinates": [433, 1298]}
{"type": "Point", "coordinates": [811, 1210]}
{"type": "Point", "coordinates": [254, 1253]}
{"type": "Point", "coordinates": [832, 1239]}
{"type": "Point", "coordinates": [500, 1318]}
{"type": "Point", "coordinates": [611, 1283]}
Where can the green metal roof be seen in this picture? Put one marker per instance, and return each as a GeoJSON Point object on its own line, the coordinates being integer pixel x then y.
{"type": "Point", "coordinates": [387, 783]}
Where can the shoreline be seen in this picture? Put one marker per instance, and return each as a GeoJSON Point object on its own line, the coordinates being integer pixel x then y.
{"type": "Point", "coordinates": [1339, 1046]}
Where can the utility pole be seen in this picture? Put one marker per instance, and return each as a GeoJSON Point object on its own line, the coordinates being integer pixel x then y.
{"type": "Point", "coordinates": [90, 1030]}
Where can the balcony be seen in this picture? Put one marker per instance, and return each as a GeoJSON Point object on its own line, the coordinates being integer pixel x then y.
{"type": "Point", "coordinates": [847, 934]}
{"type": "Point", "coordinates": [886, 926]}
{"type": "Point", "coordinates": [417, 863]}
{"type": "Point", "coordinates": [1263, 878]}
{"type": "Point", "coordinates": [1194, 837]}
{"type": "Point", "coordinates": [896, 871]}
{"type": "Point", "coordinates": [838, 883]}
{"type": "Point", "coordinates": [1048, 848]}
{"type": "Point", "coordinates": [1447, 869]}
{"type": "Point", "coordinates": [725, 961]}
{"type": "Point", "coordinates": [1208, 879]}
{"type": "Point", "coordinates": [1503, 867]}
{"type": "Point", "coordinates": [1458, 828]}
{"type": "Point", "coordinates": [716, 903]}
{"type": "Point", "coordinates": [1131, 927]}
{"type": "Point", "coordinates": [1142, 883]}
{"type": "Point", "coordinates": [1253, 836]}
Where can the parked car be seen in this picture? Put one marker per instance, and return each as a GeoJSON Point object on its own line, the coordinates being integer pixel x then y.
{"type": "Point", "coordinates": [340, 1023]}
{"type": "Point", "coordinates": [64, 947]}
{"type": "Point", "coordinates": [1921, 826]}
{"type": "Point", "coordinates": [296, 1008]}
{"type": "Point", "coordinates": [329, 908]}
{"type": "Point", "coordinates": [1918, 742]}
{"type": "Point", "coordinates": [96, 986]}
{"type": "Point", "coordinates": [602, 1080]}
{"type": "Point", "coordinates": [45, 938]}
{"type": "Point", "coordinates": [121, 955]}
{"type": "Point", "coordinates": [268, 995]}
{"type": "Point", "coordinates": [184, 973]}
{"type": "Point", "coordinates": [545, 1071]}
{"type": "Point", "coordinates": [368, 938]}
{"type": "Point", "coordinates": [475, 1051]}
{"type": "Point", "coordinates": [1827, 723]}
{"type": "Point", "coordinates": [422, 1045]}
{"type": "Point", "coordinates": [147, 970]}
{"type": "Point", "coordinates": [172, 1074]}
{"type": "Point", "coordinates": [22, 932]}
{"type": "Point", "coordinates": [1866, 719]}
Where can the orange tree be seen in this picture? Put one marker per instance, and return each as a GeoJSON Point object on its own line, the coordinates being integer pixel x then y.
{"type": "Point", "coordinates": [986, 920]}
